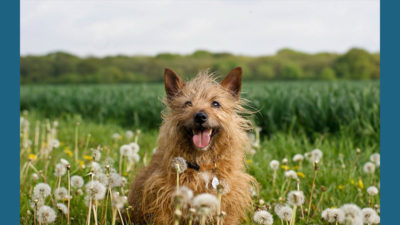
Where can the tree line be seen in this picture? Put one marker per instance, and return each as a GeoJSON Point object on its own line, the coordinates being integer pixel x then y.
{"type": "Point", "coordinates": [286, 64]}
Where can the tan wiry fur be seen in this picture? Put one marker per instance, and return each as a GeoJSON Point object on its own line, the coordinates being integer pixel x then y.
{"type": "Point", "coordinates": [151, 192]}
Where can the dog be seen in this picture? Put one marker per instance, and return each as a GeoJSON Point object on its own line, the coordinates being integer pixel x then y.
{"type": "Point", "coordinates": [203, 123]}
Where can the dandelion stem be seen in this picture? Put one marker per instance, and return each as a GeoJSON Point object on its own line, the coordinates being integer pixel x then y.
{"type": "Point", "coordinates": [76, 142]}
{"type": "Point", "coordinates": [293, 220]}
{"type": "Point", "coordinates": [312, 191]}
{"type": "Point", "coordinates": [69, 194]}
{"type": "Point", "coordinates": [120, 216]}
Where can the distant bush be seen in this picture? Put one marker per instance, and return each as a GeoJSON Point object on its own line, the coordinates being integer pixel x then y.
{"type": "Point", "coordinates": [287, 64]}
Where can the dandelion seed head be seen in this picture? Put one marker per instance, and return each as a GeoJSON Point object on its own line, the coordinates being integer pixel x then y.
{"type": "Point", "coordinates": [205, 201]}
{"type": "Point", "coordinates": [46, 215]}
{"type": "Point", "coordinates": [129, 134]}
{"type": "Point", "coordinates": [291, 174]}
{"type": "Point", "coordinates": [118, 201]}
{"type": "Point", "coordinates": [333, 215]}
{"type": "Point", "coordinates": [126, 151]}
{"type": "Point", "coordinates": [263, 217]}
{"type": "Point", "coordinates": [285, 213]}
{"type": "Point", "coordinates": [109, 161]}
{"type": "Point", "coordinates": [369, 168]}
{"type": "Point", "coordinates": [64, 162]}
{"type": "Point", "coordinates": [54, 143]}
{"type": "Point", "coordinates": [372, 190]}
{"type": "Point", "coordinates": [116, 136]}
{"type": "Point", "coordinates": [352, 213]}
{"type": "Point", "coordinates": [77, 181]}
{"type": "Point", "coordinates": [296, 198]}
{"type": "Point", "coordinates": [274, 164]}
{"type": "Point", "coordinates": [375, 158]}
{"type": "Point", "coordinates": [135, 147]}
{"type": "Point", "coordinates": [61, 193]}
{"type": "Point", "coordinates": [60, 170]}
{"type": "Point", "coordinates": [179, 164]}
{"type": "Point", "coordinates": [316, 155]}
{"type": "Point", "coordinates": [102, 178]}
{"type": "Point", "coordinates": [298, 158]}
{"type": "Point", "coordinates": [184, 194]}
{"type": "Point", "coordinates": [115, 180]}
{"type": "Point", "coordinates": [96, 154]}
{"type": "Point", "coordinates": [370, 216]}
{"type": "Point", "coordinates": [95, 190]}
{"type": "Point", "coordinates": [38, 202]}
{"type": "Point", "coordinates": [134, 157]}
{"type": "Point", "coordinates": [63, 208]}
{"type": "Point", "coordinates": [96, 168]}
{"type": "Point", "coordinates": [41, 190]}
{"type": "Point", "coordinates": [35, 177]}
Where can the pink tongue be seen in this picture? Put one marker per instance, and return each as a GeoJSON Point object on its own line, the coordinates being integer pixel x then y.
{"type": "Point", "coordinates": [202, 139]}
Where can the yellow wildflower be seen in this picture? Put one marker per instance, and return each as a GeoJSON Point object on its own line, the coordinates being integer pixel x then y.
{"type": "Point", "coordinates": [285, 167]}
{"type": "Point", "coordinates": [341, 187]}
{"type": "Point", "coordinates": [32, 157]}
{"type": "Point", "coordinates": [249, 161]}
{"type": "Point", "coordinates": [68, 152]}
{"type": "Point", "coordinates": [295, 167]}
{"type": "Point", "coordinates": [360, 183]}
{"type": "Point", "coordinates": [87, 157]}
{"type": "Point", "coordinates": [352, 182]}
{"type": "Point", "coordinates": [300, 174]}
{"type": "Point", "coordinates": [81, 163]}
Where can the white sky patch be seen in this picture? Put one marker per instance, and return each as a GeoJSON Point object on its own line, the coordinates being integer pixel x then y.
{"type": "Point", "coordinates": [242, 27]}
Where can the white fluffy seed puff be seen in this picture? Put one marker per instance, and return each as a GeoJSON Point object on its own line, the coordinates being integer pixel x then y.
{"type": "Point", "coordinates": [284, 212]}
{"type": "Point", "coordinates": [205, 201]}
{"type": "Point", "coordinates": [61, 193]}
{"type": "Point", "coordinates": [41, 190]}
{"type": "Point", "coordinates": [296, 198]}
{"type": "Point", "coordinates": [352, 214]}
{"type": "Point", "coordinates": [274, 164]}
{"type": "Point", "coordinates": [376, 158]}
{"type": "Point", "coordinates": [333, 215]}
{"type": "Point", "coordinates": [179, 164]}
{"type": "Point", "coordinates": [291, 174]}
{"type": "Point", "coordinates": [95, 190]}
{"type": "Point", "coordinates": [60, 170]}
{"type": "Point", "coordinates": [369, 168]}
{"type": "Point", "coordinates": [183, 194]}
{"type": "Point", "coordinates": [76, 181]}
{"type": "Point", "coordinates": [298, 158]}
{"type": "Point", "coordinates": [135, 147]}
{"type": "Point", "coordinates": [263, 217]}
{"type": "Point", "coordinates": [46, 215]}
{"type": "Point", "coordinates": [63, 208]}
{"type": "Point", "coordinates": [126, 151]}
{"type": "Point", "coordinates": [315, 155]}
{"type": "Point", "coordinates": [370, 216]}
{"type": "Point", "coordinates": [372, 190]}
{"type": "Point", "coordinates": [118, 201]}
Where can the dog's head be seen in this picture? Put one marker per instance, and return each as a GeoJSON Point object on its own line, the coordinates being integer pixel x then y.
{"type": "Point", "coordinates": [203, 109]}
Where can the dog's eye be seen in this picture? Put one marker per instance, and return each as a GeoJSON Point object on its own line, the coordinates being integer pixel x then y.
{"type": "Point", "coordinates": [188, 103]}
{"type": "Point", "coordinates": [216, 104]}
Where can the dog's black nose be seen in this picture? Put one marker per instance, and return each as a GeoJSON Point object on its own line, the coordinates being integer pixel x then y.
{"type": "Point", "coordinates": [200, 117]}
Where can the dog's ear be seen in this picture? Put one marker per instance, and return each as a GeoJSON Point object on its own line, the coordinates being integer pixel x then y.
{"type": "Point", "coordinates": [173, 83]}
{"type": "Point", "coordinates": [233, 81]}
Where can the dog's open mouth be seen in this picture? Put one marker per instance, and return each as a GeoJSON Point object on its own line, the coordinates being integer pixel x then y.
{"type": "Point", "coordinates": [202, 137]}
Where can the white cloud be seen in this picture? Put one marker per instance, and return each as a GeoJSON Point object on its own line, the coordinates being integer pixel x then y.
{"type": "Point", "coordinates": [242, 27]}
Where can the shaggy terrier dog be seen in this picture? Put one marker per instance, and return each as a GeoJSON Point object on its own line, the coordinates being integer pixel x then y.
{"type": "Point", "coordinates": [203, 125]}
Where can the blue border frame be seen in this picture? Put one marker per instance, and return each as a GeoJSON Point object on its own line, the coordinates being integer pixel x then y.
{"type": "Point", "coordinates": [390, 111]}
{"type": "Point", "coordinates": [9, 97]}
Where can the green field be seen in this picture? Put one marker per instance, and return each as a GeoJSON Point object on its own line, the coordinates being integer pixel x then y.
{"type": "Point", "coordinates": [295, 117]}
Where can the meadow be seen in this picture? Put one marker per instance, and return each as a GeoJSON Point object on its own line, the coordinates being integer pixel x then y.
{"type": "Point", "coordinates": [79, 130]}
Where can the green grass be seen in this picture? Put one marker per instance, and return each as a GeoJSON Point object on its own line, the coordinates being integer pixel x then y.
{"type": "Point", "coordinates": [311, 108]}
{"type": "Point", "coordinates": [342, 184]}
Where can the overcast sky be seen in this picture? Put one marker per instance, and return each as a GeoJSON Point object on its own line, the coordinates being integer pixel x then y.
{"type": "Point", "coordinates": [242, 27]}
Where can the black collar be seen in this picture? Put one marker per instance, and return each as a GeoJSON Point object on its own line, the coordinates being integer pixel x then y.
{"type": "Point", "coordinates": [193, 165]}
